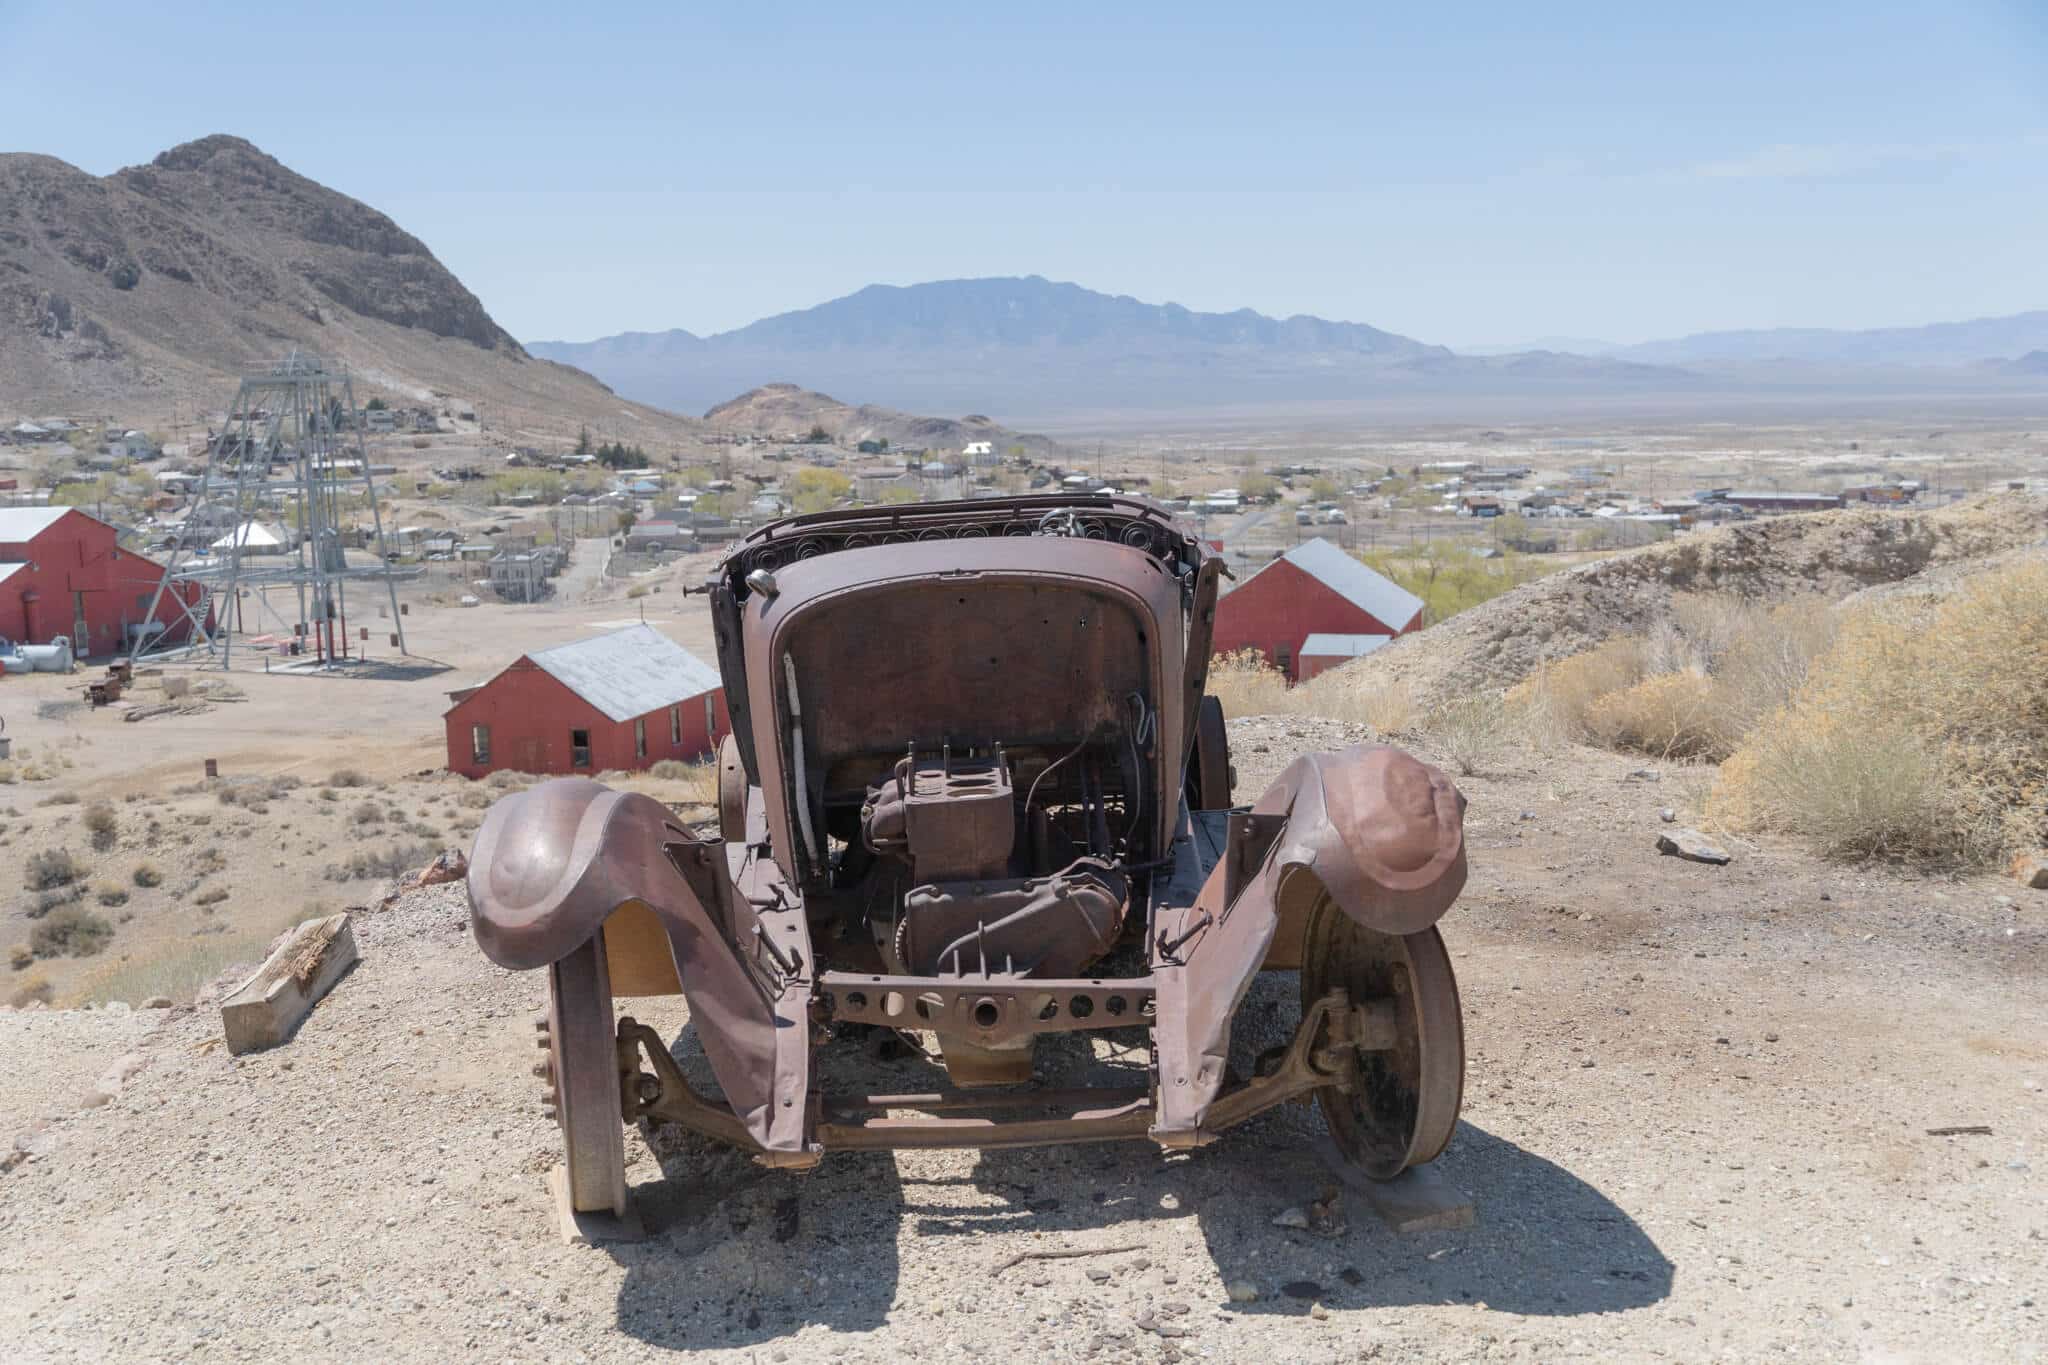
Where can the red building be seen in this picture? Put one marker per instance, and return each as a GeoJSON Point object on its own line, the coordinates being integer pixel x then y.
{"type": "Point", "coordinates": [62, 572]}
{"type": "Point", "coordinates": [1313, 589]}
{"type": "Point", "coordinates": [628, 699]}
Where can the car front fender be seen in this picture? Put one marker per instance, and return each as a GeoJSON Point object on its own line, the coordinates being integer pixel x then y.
{"type": "Point", "coordinates": [552, 863]}
{"type": "Point", "coordinates": [1377, 831]}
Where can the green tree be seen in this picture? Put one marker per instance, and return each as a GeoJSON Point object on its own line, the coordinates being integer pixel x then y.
{"type": "Point", "coordinates": [1325, 490]}
{"type": "Point", "coordinates": [814, 490]}
{"type": "Point", "coordinates": [817, 435]}
{"type": "Point", "coordinates": [374, 405]}
{"type": "Point", "coordinates": [583, 441]}
{"type": "Point", "coordinates": [1259, 487]}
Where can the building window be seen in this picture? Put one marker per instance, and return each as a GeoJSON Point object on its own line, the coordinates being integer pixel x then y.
{"type": "Point", "coordinates": [1281, 659]}
{"type": "Point", "coordinates": [579, 748]}
{"type": "Point", "coordinates": [640, 738]}
{"type": "Point", "coordinates": [675, 725]}
{"type": "Point", "coordinates": [480, 744]}
{"type": "Point", "coordinates": [710, 718]}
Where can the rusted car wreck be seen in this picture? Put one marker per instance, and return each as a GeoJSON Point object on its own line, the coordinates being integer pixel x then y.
{"type": "Point", "coordinates": [975, 788]}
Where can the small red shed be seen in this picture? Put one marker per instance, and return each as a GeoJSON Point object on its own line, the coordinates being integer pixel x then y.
{"type": "Point", "coordinates": [63, 572]}
{"type": "Point", "coordinates": [627, 699]}
{"type": "Point", "coordinates": [1313, 589]}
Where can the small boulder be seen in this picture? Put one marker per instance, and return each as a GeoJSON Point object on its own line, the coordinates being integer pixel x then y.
{"type": "Point", "coordinates": [157, 1002]}
{"type": "Point", "coordinates": [2031, 869]}
{"type": "Point", "coordinates": [1242, 1291]}
{"type": "Point", "coordinates": [1692, 845]}
{"type": "Point", "coordinates": [450, 866]}
{"type": "Point", "coordinates": [1290, 1218]}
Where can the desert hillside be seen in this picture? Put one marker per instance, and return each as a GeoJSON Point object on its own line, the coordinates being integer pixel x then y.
{"type": "Point", "coordinates": [147, 290]}
{"type": "Point", "coordinates": [1828, 555]}
{"type": "Point", "coordinates": [788, 412]}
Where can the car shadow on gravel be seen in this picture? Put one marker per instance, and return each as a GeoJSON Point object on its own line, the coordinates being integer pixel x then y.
{"type": "Point", "coordinates": [1544, 1242]}
{"type": "Point", "coordinates": [738, 1254]}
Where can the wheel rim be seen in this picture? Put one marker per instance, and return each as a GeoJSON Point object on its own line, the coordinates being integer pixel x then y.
{"type": "Point", "coordinates": [584, 1059]}
{"type": "Point", "coordinates": [1405, 1105]}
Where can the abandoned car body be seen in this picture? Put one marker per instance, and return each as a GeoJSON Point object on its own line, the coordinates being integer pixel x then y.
{"type": "Point", "coordinates": [975, 789]}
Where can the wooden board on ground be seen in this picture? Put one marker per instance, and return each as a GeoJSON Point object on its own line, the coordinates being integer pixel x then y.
{"type": "Point", "coordinates": [1420, 1199]}
{"type": "Point", "coordinates": [265, 1009]}
{"type": "Point", "coordinates": [591, 1229]}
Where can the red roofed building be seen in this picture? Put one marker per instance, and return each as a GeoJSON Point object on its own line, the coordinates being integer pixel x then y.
{"type": "Point", "coordinates": [624, 700]}
{"type": "Point", "coordinates": [63, 572]}
{"type": "Point", "coordinates": [1313, 589]}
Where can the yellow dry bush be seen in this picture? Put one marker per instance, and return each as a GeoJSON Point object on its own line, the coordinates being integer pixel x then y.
{"type": "Point", "coordinates": [1559, 698]}
{"type": "Point", "coordinates": [1671, 716]}
{"type": "Point", "coordinates": [1922, 731]}
{"type": "Point", "coordinates": [1249, 686]}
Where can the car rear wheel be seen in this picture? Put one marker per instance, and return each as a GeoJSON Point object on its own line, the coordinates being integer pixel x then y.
{"type": "Point", "coordinates": [1404, 1106]}
{"type": "Point", "coordinates": [583, 1078]}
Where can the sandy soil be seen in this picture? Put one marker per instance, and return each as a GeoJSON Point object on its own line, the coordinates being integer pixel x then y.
{"type": "Point", "coordinates": [272, 856]}
{"type": "Point", "coordinates": [1695, 1128]}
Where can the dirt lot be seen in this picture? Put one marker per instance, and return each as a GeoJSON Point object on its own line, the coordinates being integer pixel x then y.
{"type": "Point", "coordinates": [272, 836]}
{"type": "Point", "coordinates": [1695, 1128]}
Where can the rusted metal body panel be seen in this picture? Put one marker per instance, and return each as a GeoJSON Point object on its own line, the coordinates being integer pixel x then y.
{"type": "Point", "coordinates": [970, 751]}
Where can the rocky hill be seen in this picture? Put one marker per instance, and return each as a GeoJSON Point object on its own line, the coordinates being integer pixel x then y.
{"type": "Point", "coordinates": [788, 412]}
{"type": "Point", "coordinates": [1827, 554]}
{"type": "Point", "coordinates": [147, 290]}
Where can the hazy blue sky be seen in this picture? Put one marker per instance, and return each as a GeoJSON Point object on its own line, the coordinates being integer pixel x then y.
{"type": "Point", "coordinates": [1462, 173]}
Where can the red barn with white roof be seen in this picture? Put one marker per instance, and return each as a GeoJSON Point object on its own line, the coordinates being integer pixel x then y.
{"type": "Point", "coordinates": [1315, 589]}
{"type": "Point", "coordinates": [624, 700]}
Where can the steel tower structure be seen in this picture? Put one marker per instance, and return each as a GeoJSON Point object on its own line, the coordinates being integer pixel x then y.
{"type": "Point", "coordinates": [292, 452]}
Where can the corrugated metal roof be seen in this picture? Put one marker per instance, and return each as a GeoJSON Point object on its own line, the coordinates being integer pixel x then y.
{"type": "Point", "coordinates": [629, 672]}
{"type": "Point", "coordinates": [1385, 600]}
{"type": "Point", "coordinates": [1324, 645]}
{"type": "Point", "coordinates": [26, 523]}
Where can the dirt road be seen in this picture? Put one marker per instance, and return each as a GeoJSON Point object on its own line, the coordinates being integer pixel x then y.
{"type": "Point", "coordinates": [1695, 1128]}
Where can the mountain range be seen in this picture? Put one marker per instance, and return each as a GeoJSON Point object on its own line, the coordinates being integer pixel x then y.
{"type": "Point", "coordinates": [1037, 345]}
{"type": "Point", "coordinates": [1034, 345]}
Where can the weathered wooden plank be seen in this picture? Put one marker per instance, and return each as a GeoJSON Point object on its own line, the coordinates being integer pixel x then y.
{"type": "Point", "coordinates": [264, 1010]}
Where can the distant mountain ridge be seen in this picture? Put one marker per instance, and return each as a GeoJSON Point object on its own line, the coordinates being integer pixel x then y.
{"type": "Point", "coordinates": [1032, 344]}
{"type": "Point", "coordinates": [1940, 343]}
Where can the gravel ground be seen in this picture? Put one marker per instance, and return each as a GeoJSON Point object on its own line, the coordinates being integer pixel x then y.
{"type": "Point", "coordinates": [1695, 1128]}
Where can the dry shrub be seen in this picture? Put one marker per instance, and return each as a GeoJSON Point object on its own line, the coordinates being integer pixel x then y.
{"type": "Point", "coordinates": [52, 867]}
{"type": "Point", "coordinates": [60, 799]}
{"type": "Point", "coordinates": [1691, 688]}
{"type": "Point", "coordinates": [347, 777]}
{"type": "Point", "coordinates": [696, 782]}
{"type": "Point", "coordinates": [1670, 715]}
{"type": "Point", "coordinates": [1470, 731]}
{"type": "Point", "coordinates": [33, 990]}
{"type": "Point", "coordinates": [20, 956]}
{"type": "Point", "coordinates": [1558, 699]}
{"type": "Point", "coordinates": [395, 861]}
{"type": "Point", "coordinates": [368, 813]}
{"type": "Point", "coordinates": [73, 932]}
{"type": "Point", "coordinates": [146, 874]}
{"type": "Point", "coordinates": [477, 797]}
{"type": "Point", "coordinates": [111, 894]}
{"type": "Point", "coordinates": [102, 824]}
{"type": "Point", "coordinates": [1249, 686]}
{"type": "Point", "coordinates": [1921, 733]}
{"type": "Point", "coordinates": [505, 778]}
